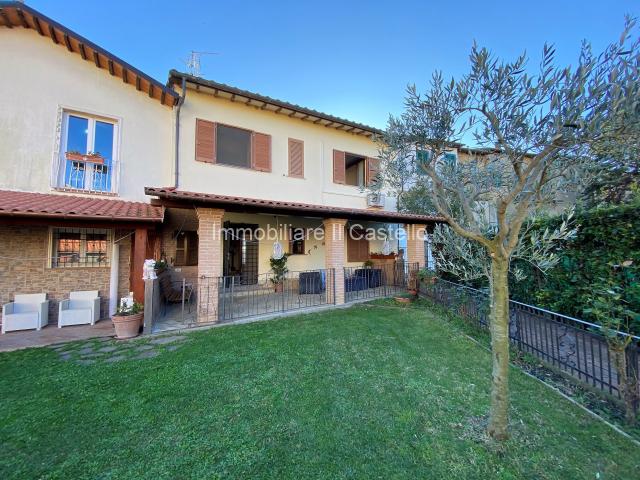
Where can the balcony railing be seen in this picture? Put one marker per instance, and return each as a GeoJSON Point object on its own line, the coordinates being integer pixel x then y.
{"type": "Point", "coordinates": [87, 177]}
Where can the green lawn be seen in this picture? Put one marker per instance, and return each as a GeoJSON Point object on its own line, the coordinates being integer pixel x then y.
{"type": "Point", "coordinates": [367, 392]}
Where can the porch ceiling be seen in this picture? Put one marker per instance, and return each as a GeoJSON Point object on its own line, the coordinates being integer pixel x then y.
{"type": "Point", "coordinates": [170, 197]}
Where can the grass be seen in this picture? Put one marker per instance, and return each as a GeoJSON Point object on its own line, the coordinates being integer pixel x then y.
{"type": "Point", "coordinates": [366, 392]}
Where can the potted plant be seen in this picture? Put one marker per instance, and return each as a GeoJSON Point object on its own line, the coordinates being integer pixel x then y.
{"type": "Point", "coordinates": [128, 319]}
{"type": "Point", "coordinates": [92, 157]}
{"type": "Point", "coordinates": [279, 269]}
{"type": "Point", "coordinates": [367, 264]}
{"type": "Point", "coordinates": [404, 298]}
{"type": "Point", "coordinates": [426, 276]}
{"type": "Point", "coordinates": [382, 256]}
{"type": "Point", "coordinates": [160, 266]}
{"type": "Point", "coordinates": [412, 284]}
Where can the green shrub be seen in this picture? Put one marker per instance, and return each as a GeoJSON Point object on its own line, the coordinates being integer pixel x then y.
{"type": "Point", "coordinates": [604, 253]}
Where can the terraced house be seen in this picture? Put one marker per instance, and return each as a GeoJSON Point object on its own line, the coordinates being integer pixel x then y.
{"type": "Point", "coordinates": [102, 167]}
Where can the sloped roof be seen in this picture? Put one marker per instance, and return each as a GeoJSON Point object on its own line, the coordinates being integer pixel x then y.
{"type": "Point", "coordinates": [267, 206]}
{"type": "Point", "coordinates": [17, 14]}
{"type": "Point", "coordinates": [274, 105]}
{"type": "Point", "coordinates": [30, 204]}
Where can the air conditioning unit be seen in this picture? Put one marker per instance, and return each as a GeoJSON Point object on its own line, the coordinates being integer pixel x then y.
{"type": "Point", "coordinates": [375, 200]}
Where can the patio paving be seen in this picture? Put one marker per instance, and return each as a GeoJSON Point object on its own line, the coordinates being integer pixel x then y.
{"type": "Point", "coordinates": [51, 334]}
{"type": "Point", "coordinates": [97, 350]}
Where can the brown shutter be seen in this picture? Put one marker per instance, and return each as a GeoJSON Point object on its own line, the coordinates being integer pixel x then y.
{"type": "Point", "coordinates": [205, 141]}
{"type": "Point", "coordinates": [357, 249]}
{"type": "Point", "coordinates": [261, 152]}
{"type": "Point", "coordinates": [373, 168]}
{"type": "Point", "coordinates": [339, 174]}
{"type": "Point", "coordinates": [296, 158]}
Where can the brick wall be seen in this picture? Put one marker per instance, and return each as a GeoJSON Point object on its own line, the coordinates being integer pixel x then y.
{"type": "Point", "coordinates": [209, 262]}
{"type": "Point", "coordinates": [334, 240]}
{"type": "Point", "coordinates": [415, 244]}
{"type": "Point", "coordinates": [24, 269]}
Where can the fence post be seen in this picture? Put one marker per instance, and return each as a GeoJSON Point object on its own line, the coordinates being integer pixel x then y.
{"type": "Point", "coordinates": [632, 373]}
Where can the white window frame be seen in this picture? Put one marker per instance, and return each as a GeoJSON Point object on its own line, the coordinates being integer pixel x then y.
{"type": "Point", "coordinates": [60, 160]}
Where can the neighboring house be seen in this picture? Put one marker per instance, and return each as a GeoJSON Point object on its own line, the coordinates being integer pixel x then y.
{"type": "Point", "coordinates": [69, 222]}
{"type": "Point", "coordinates": [174, 165]}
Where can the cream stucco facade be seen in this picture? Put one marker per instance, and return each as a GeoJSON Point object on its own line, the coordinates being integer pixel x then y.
{"type": "Point", "coordinates": [317, 186]}
{"type": "Point", "coordinates": [39, 81]}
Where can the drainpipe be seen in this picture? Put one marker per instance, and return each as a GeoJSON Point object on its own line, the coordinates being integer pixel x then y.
{"type": "Point", "coordinates": [177, 154]}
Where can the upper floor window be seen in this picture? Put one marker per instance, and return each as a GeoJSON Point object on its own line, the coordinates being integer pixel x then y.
{"type": "Point", "coordinates": [237, 147]}
{"type": "Point", "coordinates": [88, 154]}
{"type": "Point", "coordinates": [233, 146]}
{"type": "Point", "coordinates": [355, 170]}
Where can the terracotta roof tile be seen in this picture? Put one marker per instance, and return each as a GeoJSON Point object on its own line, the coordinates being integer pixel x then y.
{"type": "Point", "coordinates": [68, 206]}
{"type": "Point", "coordinates": [255, 204]}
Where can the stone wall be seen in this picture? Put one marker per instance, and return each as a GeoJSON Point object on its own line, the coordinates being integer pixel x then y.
{"type": "Point", "coordinates": [24, 268]}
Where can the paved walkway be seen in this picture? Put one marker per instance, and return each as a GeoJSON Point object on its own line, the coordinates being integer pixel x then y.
{"type": "Point", "coordinates": [52, 334]}
{"type": "Point", "coordinates": [107, 350]}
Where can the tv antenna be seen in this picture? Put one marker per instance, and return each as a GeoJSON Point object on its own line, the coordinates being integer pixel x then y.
{"type": "Point", "coordinates": [193, 62]}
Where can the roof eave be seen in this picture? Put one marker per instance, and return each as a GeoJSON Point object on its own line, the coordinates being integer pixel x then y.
{"type": "Point", "coordinates": [290, 208]}
{"type": "Point", "coordinates": [88, 50]}
{"type": "Point", "coordinates": [279, 106]}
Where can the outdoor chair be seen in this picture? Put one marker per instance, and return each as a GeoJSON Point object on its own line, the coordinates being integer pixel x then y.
{"type": "Point", "coordinates": [373, 276]}
{"type": "Point", "coordinates": [171, 294]}
{"type": "Point", "coordinates": [310, 283]}
{"type": "Point", "coordinates": [25, 312]}
{"type": "Point", "coordinates": [80, 308]}
{"type": "Point", "coordinates": [355, 283]}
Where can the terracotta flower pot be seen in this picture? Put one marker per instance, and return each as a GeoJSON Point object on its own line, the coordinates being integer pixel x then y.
{"type": "Point", "coordinates": [127, 326]}
{"type": "Point", "coordinates": [402, 299]}
{"type": "Point", "coordinates": [279, 287]}
{"type": "Point", "coordinates": [413, 292]}
{"type": "Point", "coordinates": [79, 157]}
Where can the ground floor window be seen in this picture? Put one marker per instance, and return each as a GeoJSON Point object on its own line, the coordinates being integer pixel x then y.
{"type": "Point", "coordinates": [79, 247]}
{"type": "Point", "coordinates": [296, 242]}
{"type": "Point", "coordinates": [186, 249]}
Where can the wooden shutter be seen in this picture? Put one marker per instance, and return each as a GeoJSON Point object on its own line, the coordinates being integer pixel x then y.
{"type": "Point", "coordinates": [357, 249]}
{"type": "Point", "coordinates": [181, 250]}
{"type": "Point", "coordinates": [373, 168]}
{"type": "Point", "coordinates": [339, 174]}
{"type": "Point", "coordinates": [205, 141]}
{"type": "Point", "coordinates": [296, 158]}
{"type": "Point", "coordinates": [261, 152]}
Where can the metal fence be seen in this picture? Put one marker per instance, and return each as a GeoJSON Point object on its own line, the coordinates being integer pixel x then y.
{"type": "Point", "coordinates": [569, 344]}
{"type": "Point", "coordinates": [377, 281]}
{"type": "Point", "coordinates": [268, 294]}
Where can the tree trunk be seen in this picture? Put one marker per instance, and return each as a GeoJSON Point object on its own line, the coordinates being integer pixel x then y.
{"type": "Point", "coordinates": [499, 415]}
{"type": "Point", "coordinates": [627, 385]}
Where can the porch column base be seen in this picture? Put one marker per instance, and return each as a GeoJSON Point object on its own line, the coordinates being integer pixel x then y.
{"type": "Point", "coordinates": [416, 236]}
{"type": "Point", "coordinates": [334, 242]}
{"type": "Point", "coordinates": [209, 262]}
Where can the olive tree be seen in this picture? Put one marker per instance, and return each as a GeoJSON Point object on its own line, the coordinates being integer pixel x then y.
{"type": "Point", "coordinates": [533, 127]}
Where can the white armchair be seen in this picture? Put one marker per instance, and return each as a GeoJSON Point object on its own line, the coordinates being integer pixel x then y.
{"type": "Point", "coordinates": [25, 312]}
{"type": "Point", "coordinates": [81, 308]}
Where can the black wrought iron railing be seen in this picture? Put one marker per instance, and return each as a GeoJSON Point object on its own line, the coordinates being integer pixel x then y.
{"type": "Point", "coordinates": [378, 281]}
{"type": "Point", "coordinates": [573, 346]}
{"type": "Point", "coordinates": [267, 294]}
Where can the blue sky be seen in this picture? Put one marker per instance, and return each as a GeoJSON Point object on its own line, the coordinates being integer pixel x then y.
{"type": "Point", "coordinates": [347, 58]}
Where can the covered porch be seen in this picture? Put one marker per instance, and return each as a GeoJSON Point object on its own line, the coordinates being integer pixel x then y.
{"type": "Point", "coordinates": [58, 246]}
{"type": "Point", "coordinates": [217, 250]}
